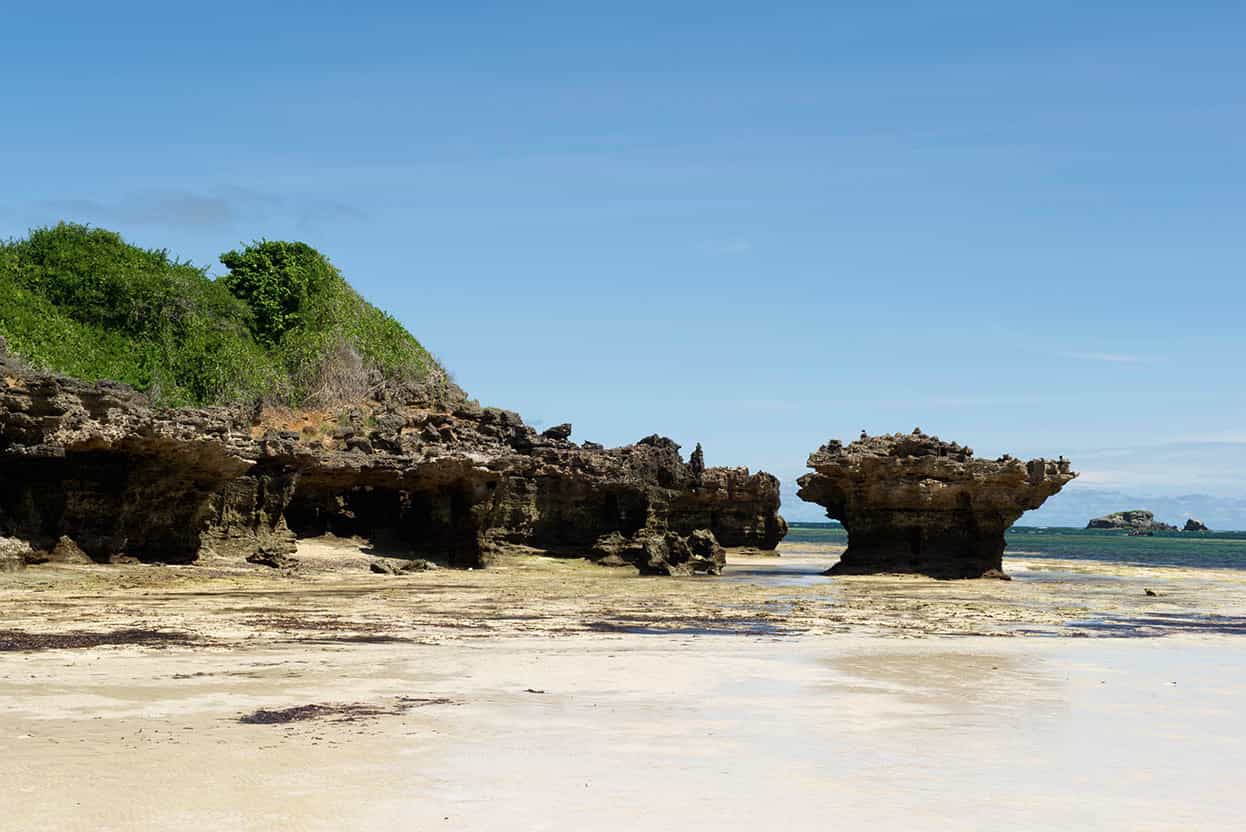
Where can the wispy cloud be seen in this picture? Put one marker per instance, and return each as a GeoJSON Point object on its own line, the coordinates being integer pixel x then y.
{"type": "Point", "coordinates": [1227, 437]}
{"type": "Point", "coordinates": [1166, 467]}
{"type": "Point", "coordinates": [1110, 357]}
{"type": "Point", "coordinates": [167, 208]}
{"type": "Point", "coordinates": [220, 207]}
{"type": "Point", "coordinates": [730, 247]}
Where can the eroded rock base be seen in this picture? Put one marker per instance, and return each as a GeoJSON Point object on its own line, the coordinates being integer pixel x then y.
{"type": "Point", "coordinates": [925, 549]}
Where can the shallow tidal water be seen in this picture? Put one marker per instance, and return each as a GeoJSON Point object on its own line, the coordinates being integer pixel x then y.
{"type": "Point", "coordinates": [1207, 550]}
{"type": "Point", "coordinates": [1081, 565]}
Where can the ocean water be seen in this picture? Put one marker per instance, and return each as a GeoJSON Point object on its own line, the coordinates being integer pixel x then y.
{"type": "Point", "coordinates": [1211, 550]}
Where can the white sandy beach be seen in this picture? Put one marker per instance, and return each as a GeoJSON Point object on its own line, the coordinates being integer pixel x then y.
{"type": "Point", "coordinates": [634, 731]}
{"type": "Point", "coordinates": [547, 694]}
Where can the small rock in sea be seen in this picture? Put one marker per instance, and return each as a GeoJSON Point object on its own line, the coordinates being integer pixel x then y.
{"type": "Point", "coordinates": [1152, 593]}
{"type": "Point", "coordinates": [1135, 520]}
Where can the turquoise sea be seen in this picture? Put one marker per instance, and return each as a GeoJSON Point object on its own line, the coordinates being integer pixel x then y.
{"type": "Point", "coordinates": [1218, 550]}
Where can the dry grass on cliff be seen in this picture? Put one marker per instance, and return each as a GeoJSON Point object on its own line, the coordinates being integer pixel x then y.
{"type": "Point", "coordinates": [309, 423]}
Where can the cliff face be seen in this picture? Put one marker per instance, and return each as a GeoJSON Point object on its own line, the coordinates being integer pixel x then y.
{"type": "Point", "coordinates": [93, 462]}
{"type": "Point", "coordinates": [914, 503]}
{"type": "Point", "coordinates": [442, 476]}
{"type": "Point", "coordinates": [1136, 520]}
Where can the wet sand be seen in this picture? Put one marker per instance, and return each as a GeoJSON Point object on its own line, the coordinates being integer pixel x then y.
{"type": "Point", "coordinates": [555, 694]}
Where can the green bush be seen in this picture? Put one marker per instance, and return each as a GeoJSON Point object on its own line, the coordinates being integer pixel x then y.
{"type": "Point", "coordinates": [327, 338]}
{"type": "Point", "coordinates": [277, 280]}
{"type": "Point", "coordinates": [83, 302]}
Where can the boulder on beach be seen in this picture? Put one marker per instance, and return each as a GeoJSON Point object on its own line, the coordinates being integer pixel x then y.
{"type": "Point", "coordinates": [662, 553]}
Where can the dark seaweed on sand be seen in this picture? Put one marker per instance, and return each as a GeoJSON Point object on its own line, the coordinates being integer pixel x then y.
{"type": "Point", "coordinates": [19, 640]}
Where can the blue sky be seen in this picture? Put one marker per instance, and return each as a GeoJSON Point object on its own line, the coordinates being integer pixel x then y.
{"type": "Point", "coordinates": [760, 226]}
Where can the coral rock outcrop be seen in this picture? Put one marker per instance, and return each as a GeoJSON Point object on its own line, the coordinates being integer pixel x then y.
{"type": "Point", "coordinates": [419, 472]}
{"type": "Point", "coordinates": [95, 463]}
{"type": "Point", "coordinates": [913, 503]}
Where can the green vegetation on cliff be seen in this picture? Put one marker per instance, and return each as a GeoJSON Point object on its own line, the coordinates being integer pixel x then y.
{"type": "Point", "coordinates": [282, 325]}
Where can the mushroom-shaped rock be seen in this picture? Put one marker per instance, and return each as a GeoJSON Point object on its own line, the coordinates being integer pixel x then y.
{"type": "Point", "coordinates": [914, 503]}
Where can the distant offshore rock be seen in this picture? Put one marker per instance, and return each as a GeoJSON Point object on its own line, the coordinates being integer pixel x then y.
{"type": "Point", "coordinates": [913, 503]}
{"type": "Point", "coordinates": [1193, 525]}
{"type": "Point", "coordinates": [1135, 520]}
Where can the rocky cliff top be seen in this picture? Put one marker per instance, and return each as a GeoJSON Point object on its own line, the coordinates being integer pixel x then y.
{"type": "Point", "coordinates": [916, 470]}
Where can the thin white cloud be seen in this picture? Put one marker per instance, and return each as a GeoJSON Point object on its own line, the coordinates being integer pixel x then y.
{"type": "Point", "coordinates": [1228, 437]}
{"type": "Point", "coordinates": [169, 208]}
{"type": "Point", "coordinates": [1109, 357]}
{"type": "Point", "coordinates": [222, 207]}
{"type": "Point", "coordinates": [729, 247]}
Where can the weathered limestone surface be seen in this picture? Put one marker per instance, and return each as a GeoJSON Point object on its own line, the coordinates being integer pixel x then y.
{"type": "Point", "coordinates": [663, 553]}
{"type": "Point", "coordinates": [415, 474]}
{"type": "Point", "coordinates": [1135, 520]}
{"type": "Point", "coordinates": [914, 503]}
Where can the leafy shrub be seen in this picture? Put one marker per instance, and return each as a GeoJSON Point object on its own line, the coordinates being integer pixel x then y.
{"type": "Point", "coordinates": [327, 338]}
{"type": "Point", "coordinates": [277, 279]}
{"type": "Point", "coordinates": [283, 325]}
